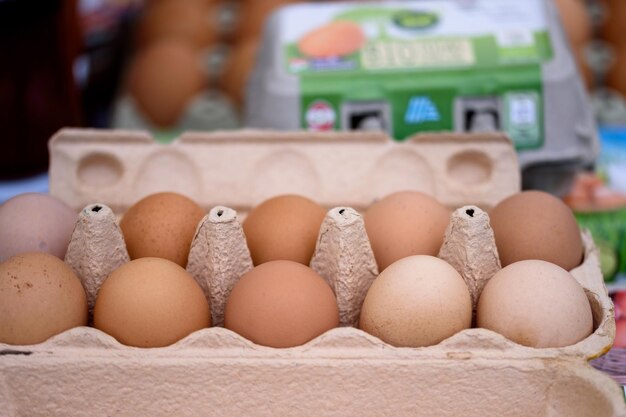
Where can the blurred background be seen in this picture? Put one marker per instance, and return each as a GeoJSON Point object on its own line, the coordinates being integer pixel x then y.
{"type": "Point", "coordinates": [173, 65]}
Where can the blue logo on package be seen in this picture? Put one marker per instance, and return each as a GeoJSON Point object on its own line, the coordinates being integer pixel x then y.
{"type": "Point", "coordinates": [332, 64]}
{"type": "Point", "coordinates": [421, 109]}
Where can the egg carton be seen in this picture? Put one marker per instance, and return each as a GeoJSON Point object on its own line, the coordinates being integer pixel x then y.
{"type": "Point", "coordinates": [344, 371]}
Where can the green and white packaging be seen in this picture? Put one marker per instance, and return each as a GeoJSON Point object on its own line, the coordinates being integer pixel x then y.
{"type": "Point", "coordinates": [433, 65]}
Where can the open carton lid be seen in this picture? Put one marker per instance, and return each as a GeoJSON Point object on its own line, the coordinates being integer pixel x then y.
{"type": "Point", "coordinates": [240, 169]}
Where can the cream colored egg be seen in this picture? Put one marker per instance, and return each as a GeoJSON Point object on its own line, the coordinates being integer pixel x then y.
{"type": "Point", "coordinates": [417, 301]}
{"type": "Point", "coordinates": [535, 303]}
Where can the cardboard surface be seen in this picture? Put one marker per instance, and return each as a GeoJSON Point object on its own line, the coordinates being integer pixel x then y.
{"type": "Point", "coordinates": [343, 372]}
{"type": "Point", "coordinates": [240, 169]}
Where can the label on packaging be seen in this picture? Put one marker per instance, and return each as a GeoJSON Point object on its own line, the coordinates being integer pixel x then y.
{"type": "Point", "coordinates": [429, 55]}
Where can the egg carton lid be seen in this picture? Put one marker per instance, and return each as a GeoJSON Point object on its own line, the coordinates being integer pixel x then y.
{"type": "Point", "coordinates": [241, 168]}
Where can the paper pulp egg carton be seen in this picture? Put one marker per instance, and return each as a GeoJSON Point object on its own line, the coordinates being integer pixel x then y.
{"type": "Point", "coordinates": [342, 372]}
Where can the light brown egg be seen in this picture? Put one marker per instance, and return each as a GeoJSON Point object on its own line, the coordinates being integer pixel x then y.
{"type": "Point", "coordinates": [403, 224]}
{"type": "Point", "coordinates": [40, 296]}
{"type": "Point", "coordinates": [281, 304]}
{"type": "Point", "coordinates": [191, 21]}
{"type": "Point", "coordinates": [417, 301]}
{"type": "Point", "coordinates": [237, 70]}
{"type": "Point", "coordinates": [338, 38]}
{"type": "Point", "coordinates": [577, 24]}
{"type": "Point", "coordinates": [33, 222]}
{"type": "Point", "coordinates": [161, 225]}
{"type": "Point", "coordinates": [150, 302]}
{"type": "Point", "coordinates": [283, 228]}
{"type": "Point", "coordinates": [164, 78]}
{"type": "Point", "coordinates": [535, 303]}
{"type": "Point", "coordinates": [576, 21]}
{"type": "Point", "coordinates": [536, 225]}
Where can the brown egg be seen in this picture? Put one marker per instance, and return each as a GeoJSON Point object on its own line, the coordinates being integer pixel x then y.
{"type": "Point", "coordinates": [579, 31]}
{"type": "Point", "coordinates": [252, 17]}
{"type": "Point", "coordinates": [161, 225]}
{"type": "Point", "coordinates": [576, 21]}
{"type": "Point", "coordinates": [40, 296]}
{"type": "Point", "coordinates": [33, 222]}
{"type": "Point", "coordinates": [616, 77]}
{"type": "Point", "coordinates": [535, 303]}
{"type": "Point", "coordinates": [164, 78]}
{"type": "Point", "coordinates": [150, 302]}
{"type": "Point", "coordinates": [191, 21]}
{"type": "Point", "coordinates": [283, 228]}
{"type": "Point", "coordinates": [334, 39]}
{"type": "Point", "coordinates": [536, 225]}
{"type": "Point", "coordinates": [612, 29]}
{"type": "Point", "coordinates": [237, 70]}
{"type": "Point", "coordinates": [281, 304]}
{"type": "Point", "coordinates": [417, 301]}
{"type": "Point", "coordinates": [403, 224]}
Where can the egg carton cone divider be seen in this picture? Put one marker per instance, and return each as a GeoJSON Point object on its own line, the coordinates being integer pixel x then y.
{"type": "Point", "coordinates": [96, 248]}
{"type": "Point", "coordinates": [218, 257]}
{"type": "Point", "coordinates": [470, 247]}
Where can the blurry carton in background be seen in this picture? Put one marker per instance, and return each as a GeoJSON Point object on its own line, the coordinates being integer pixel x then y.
{"type": "Point", "coordinates": [419, 66]}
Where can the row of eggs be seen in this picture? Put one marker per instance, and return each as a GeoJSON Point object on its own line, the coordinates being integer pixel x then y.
{"type": "Point", "coordinates": [417, 300]}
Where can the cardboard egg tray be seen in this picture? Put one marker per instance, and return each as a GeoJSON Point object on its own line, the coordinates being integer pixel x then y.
{"type": "Point", "coordinates": [342, 372]}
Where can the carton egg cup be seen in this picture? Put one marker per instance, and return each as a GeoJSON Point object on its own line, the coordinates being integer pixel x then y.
{"type": "Point", "coordinates": [344, 371]}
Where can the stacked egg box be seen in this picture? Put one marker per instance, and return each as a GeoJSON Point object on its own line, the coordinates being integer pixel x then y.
{"type": "Point", "coordinates": [344, 371]}
{"type": "Point", "coordinates": [208, 46]}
